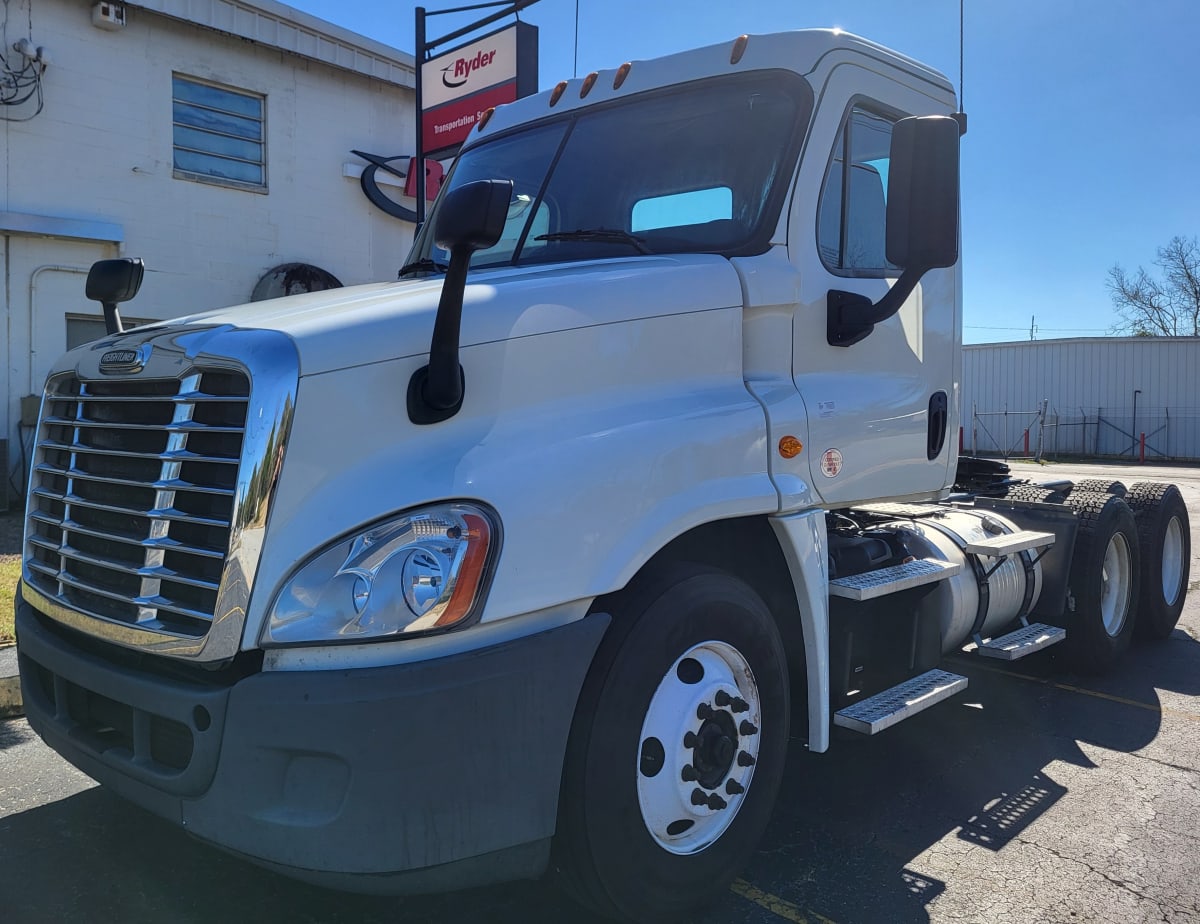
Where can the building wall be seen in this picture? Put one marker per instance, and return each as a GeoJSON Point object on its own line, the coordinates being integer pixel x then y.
{"type": "Point", "coordinates": [1089, 387]}
{"type": "Point", "coordinates": [101, 153]}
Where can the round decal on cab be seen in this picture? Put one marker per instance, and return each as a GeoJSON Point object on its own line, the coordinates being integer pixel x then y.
{"type": "Point", "coordinates": [831, 463]}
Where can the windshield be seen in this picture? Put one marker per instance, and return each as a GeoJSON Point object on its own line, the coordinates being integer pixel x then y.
{"type": "Point", "coordinates": [699, 168]}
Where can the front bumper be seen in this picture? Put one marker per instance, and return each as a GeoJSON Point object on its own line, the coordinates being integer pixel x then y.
{"type": "Point", "coordinates": [436, 774]}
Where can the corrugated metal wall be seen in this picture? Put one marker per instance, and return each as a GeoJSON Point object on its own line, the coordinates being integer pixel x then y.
{"type": "Point", "coordinates": [1088, 386]}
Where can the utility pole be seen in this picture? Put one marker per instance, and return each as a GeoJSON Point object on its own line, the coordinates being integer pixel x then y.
{"type": "Point", "coordinates": [1032, 326]}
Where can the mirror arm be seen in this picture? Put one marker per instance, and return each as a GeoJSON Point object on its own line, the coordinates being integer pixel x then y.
{"type": "Point", "coordinates": [112, 318]}
{"type": "Point", "coordinates": [852, 316]}
{"type": "Point", "coordinates": [435, 391]}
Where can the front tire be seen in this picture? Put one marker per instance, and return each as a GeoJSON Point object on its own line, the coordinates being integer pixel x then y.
{"type": "Point", "coordinates": [678, 747]}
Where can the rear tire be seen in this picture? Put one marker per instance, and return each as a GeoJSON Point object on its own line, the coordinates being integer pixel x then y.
{"type": "Point", "coordinates": [1103, 583]}
{"type": "Point", "coordinates": [1166, 543]}
{"type": "Point", "coordinates": [1036, 493]}
{"type": "Point", "coordinates": [664, 718]}
{"type": "Point", "coordinates": [1099, 486]}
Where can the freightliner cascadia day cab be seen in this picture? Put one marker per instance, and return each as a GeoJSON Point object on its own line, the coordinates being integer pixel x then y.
{"type": "Point", "coordinates": [527, 562]}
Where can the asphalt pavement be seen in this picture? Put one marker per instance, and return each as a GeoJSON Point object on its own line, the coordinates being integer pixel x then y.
{"type": "Point", "coordinates": [1036, 796]}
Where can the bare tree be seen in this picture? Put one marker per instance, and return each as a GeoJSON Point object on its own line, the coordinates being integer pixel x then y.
{"type": "Point", "coordinates": [1165, 306]}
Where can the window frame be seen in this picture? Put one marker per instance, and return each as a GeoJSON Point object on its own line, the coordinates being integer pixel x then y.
{"type": "Point", "coordinates": [758, 239]}
{"type": "Point", "coordinates": [881, 110]}
{"type": "Point", "coordinates": [180, 173]}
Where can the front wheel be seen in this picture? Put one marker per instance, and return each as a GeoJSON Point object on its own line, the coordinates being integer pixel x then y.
{"type": "Point", "coordinates": [678, 747]}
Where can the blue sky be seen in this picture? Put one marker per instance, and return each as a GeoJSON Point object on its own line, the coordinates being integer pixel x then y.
{"type": "Point", "coordinates": [1084, 141]}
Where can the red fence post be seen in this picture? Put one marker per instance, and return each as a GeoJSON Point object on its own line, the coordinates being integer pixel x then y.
{"type": "Point", "coordinates": [1026, 442]}
{"type": "Point", "coordinates": [1143, 450]}
{"type": "Point", "coordinates": [960, 440]}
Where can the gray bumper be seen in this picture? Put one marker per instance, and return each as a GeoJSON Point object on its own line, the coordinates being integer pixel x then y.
{"type": "Point", "coordinates": [437, 774]}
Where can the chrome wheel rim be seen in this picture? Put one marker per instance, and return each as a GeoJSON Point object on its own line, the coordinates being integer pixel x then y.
{"type": "Point", "coordinates": [1172, 561]}
{"type": "Point", "coordinates": [1114, 585]}
{"type": "Point", "coordinates": [698, 748]}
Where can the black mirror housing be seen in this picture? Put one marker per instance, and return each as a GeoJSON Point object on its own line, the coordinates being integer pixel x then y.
{"type": "Point", "coordinates": [469, 218]}
{"type": "Point", "coordinates": [113, 281]}
{"type": "Point", "coordinates": [922, 207]}
{"type": "Point", "coordinates": [473, 215]}
{"type": "Point", "coordinates": [922, 223]}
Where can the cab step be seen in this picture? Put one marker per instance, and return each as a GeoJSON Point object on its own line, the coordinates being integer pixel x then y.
{"type": "Point", "coordinates": [1021, 642]}
{"type": "Point", "coordinates": [1009, 543]}
{"type": "Point", "coordinates": [872, 584]}
{"type": "Point", "coordinates": [875, 713]}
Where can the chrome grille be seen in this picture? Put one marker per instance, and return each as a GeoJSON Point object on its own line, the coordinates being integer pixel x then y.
{"type": "Point", "coordinates": [132, 496]}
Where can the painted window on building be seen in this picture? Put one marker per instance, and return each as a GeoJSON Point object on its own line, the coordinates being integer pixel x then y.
{"type": "Point", "coordinates": [853, 208]}
{"type": "Point", "coordinates": [219, 134]}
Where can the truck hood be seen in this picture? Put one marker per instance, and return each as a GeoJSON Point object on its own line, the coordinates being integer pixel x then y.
{"type": "Point", "coordinates": [365, 324]}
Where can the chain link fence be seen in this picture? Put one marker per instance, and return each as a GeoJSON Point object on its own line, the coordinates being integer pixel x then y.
{"type": "Point", "coordinates": [1149, 433]}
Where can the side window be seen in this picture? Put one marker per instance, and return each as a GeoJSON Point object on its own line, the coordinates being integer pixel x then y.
{"type": "Point", "coordinates": [853, 205]}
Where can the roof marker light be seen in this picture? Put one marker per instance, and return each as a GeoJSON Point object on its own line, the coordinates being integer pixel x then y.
{"type": "Point", "coordinates": [622, 73]}
{"type": "Point", "coordinates": [483, 119]}
{"type": "Point", "coordinates": [559, 89]}
{"type": "Point", "coordinates": [739, 48]}
{"type": "Point", "coordinates": [588, 82]}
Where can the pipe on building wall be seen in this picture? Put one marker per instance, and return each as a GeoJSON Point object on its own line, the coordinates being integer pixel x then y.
{"type": "Point", "coordinates": [34, 385]}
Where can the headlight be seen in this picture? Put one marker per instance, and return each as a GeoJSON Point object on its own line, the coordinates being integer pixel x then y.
{"type": "Point", "coordinates": [422, 571]}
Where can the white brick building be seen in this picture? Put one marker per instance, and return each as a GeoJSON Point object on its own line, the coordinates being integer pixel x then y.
{"type": "Point", "coordinates": [134, 121]}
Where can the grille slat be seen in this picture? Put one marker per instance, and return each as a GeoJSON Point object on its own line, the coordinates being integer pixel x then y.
{"type": "Point", "coordinates": [154, 514]}
{"type": "Point", "coordinates": [161, 572]}
{"type": "Point", "coordinates": [133, 493]}
{"type": "Point", "coordinates": [174, 484]}
{"type": "Point", "coordinates": [178, 455]}
{"type": "Point", "coordinates": [183, 427]}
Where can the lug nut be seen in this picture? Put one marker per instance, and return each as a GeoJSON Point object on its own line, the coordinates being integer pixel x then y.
{"type": "Point", "coordinates": [716, 803]}
{"type": "Point", "coordinates": [704, 711]}
{"type": "Point", "coordinates": [688, 773]}
{"type": "Point", "coordinates": [722, 698]}
{"type": "Point", "coordinates": [690, 740]}
{"type": "Point", "coordinates": [734, 788]}
{"type": "Point", "coordinates": [748, 728]}
{"type": "Point", "coordinates": [745, 760]}
{"type": "Point", "coordinates": [740, 705]}
{"type": "Point", "coordinates": [699, 797]}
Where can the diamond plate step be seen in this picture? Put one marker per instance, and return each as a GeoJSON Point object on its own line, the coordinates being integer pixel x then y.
{"type": "Point", "coordinates": [900, 510]}
{"type": "Point", "coordinates": [898, 703]}
{"type": "Point", "coordinates": [1022, 642]}
{"type": "Point", "coordinates": [1009, 543]}
{"type": "Point", "coordinates": [872, 584]}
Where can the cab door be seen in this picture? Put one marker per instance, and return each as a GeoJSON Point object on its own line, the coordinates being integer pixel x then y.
{"type": "Point", "coordinates": [879, 409]}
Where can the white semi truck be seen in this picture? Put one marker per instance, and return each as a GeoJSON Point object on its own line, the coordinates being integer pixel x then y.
{"type": "Point", "coordinates": [530, 560]}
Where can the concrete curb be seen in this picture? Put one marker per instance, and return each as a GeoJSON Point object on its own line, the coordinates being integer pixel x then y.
{"type": "Point", "coordinates": [11, 704]}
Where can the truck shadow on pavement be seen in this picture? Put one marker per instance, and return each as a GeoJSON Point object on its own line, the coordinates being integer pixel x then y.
{"type": "Point", "coordinates": [848, 842]}
{"type": "Point", "coordinates": [852, 825]}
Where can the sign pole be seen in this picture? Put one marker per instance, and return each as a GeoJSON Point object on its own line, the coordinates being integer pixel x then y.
{"type": "Point", "coordinates": [419, 161]}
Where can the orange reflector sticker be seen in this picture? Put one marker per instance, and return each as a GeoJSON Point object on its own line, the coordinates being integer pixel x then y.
{"type": "Point", "coordinates": [790, 447]}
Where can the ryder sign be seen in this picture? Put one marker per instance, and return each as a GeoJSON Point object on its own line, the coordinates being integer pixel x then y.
{"type": "Point", "coordinates": [459, 86]}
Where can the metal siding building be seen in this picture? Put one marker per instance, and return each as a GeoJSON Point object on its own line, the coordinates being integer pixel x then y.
{"type": "Point", "coordinates": [1100, 394]}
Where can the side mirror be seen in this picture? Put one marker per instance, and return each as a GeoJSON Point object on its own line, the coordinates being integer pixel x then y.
{"type": "Point", "coordinates": [110, 282]}
{"type": "Point", "coordinates": [922, 208]}
{"type": "Point", "coordinates": [469, 218]}
{"type": "Point", "coordinates": [922, 222]}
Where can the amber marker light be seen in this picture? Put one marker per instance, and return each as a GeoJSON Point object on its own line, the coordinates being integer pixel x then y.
{"type": "Point", "coordinates": [789, 447]}
{"type": "Point", "coordinates": [739, 48]}
{"type": "Point", "coordinates": [559, 89]}
{"type": "Point", "coordinates": [485, 118]}
{"type": "Point", "coordinates": [470, 577]}
{"type": "Point", "coordinates": [588, 82]}
{"type": "Point", "coordinates": [622, 73]}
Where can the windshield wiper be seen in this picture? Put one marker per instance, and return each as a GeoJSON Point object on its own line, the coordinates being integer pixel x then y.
{"type": "Point", "coordinates": [599, 236]}
{"type": "Point", "coordinates": [425, 264]}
